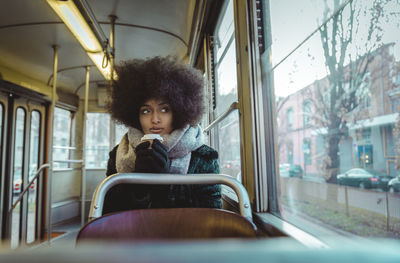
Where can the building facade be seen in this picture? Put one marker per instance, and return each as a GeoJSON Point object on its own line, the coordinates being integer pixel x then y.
{"type": "Point", "coordinates": [367, 112]}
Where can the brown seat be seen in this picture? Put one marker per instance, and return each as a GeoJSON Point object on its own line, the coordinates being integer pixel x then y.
{"type": "Point", "coordinates": [167, 223]}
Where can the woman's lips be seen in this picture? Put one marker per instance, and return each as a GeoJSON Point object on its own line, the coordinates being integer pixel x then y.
{"type": "Point", "coordinates": [156, 130]}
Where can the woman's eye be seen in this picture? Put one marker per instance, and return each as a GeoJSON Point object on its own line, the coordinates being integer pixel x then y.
{"type": "Point", "coordinates": [165, 109]}
{"type": "Point", "coordinates": [145, 111]}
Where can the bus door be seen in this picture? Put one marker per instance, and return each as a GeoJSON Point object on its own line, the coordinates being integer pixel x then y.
{"type": "Point", "coordinates": [22, 153]}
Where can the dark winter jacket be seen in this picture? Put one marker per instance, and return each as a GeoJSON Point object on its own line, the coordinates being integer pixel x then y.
{"type": "Point", "coordinates": [127, 197]}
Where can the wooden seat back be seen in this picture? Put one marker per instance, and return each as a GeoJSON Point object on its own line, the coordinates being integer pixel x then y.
{"type": "Point", "coordinates": [168, 223]}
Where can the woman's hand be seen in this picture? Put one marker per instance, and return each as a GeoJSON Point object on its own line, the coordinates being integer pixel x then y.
{"type": "Point", "coordinates": [154, 160]}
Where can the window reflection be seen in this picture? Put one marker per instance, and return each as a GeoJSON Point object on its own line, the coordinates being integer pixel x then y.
{"type": "Point", "coordinates": [338, 118]}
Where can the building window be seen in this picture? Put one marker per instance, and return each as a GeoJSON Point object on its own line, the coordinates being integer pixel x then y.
{"type": "Point", "coordinates": [307, 113]}
{"type": "Point", "coordinates": [289, 116]}
{"type": "Point", "coordinates": [289, 151]}
{"type": "Point", "coordinates": [396, 79]}
{"type": "Point", "coordinates": [365, 156]}
{"type": "Point", "coordinates": [395, 103]}
{"type": "Point", "coordinates": [307, 151]}
{"type": "Point", "coordinates": [365, 91]}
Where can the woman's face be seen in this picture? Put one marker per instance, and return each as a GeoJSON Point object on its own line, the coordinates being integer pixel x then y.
{"type": "Point", "coordinates": [155, 116]}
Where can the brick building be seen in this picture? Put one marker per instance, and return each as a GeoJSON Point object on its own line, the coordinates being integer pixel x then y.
{"type": "Point", "coordinates": [366, 137]}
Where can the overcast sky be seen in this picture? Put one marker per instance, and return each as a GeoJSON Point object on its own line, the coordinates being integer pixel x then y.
{"type": "Point", "coordinates": [292, 21]}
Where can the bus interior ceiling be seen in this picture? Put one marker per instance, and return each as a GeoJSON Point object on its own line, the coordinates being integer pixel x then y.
{"type": "Point", "coordinates": [29, 29]}
{"type": "Point", "coordinates": [281, 147]}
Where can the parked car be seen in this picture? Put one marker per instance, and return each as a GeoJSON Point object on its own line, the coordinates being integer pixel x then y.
{"type": "Point", "coordinates": [394, 185]}
{"type": "Point", "coordinates": [17, 186]}
{"type": "Point", "coordinates": [233, 164]}
{"type": "Point", "coordinates": [364, 178]}
{"type": "Point", "coordinates": [290, 170]}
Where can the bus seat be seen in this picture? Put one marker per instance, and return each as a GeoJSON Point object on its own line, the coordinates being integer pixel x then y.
{"type": "Point", "coordinates": [167, 223]}
{"type": "Point", "coordinates": [171, 223]}
{"type": "Point", "coordinates": [96, 207]}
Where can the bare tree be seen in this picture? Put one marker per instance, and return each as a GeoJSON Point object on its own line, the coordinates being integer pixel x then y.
{"type": "Point", "coordinates": [347, 64]}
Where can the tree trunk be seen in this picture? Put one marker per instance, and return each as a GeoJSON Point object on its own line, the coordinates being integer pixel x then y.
{"type": "Point", "coordinates": [333, 150]}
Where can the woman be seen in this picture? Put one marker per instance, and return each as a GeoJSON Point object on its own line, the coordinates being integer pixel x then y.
{"type": "Point", "coordinates": [165, 97]}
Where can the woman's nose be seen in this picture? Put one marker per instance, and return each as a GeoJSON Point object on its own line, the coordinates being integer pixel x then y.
{"type": "Point", "coordinates": [155, 118]}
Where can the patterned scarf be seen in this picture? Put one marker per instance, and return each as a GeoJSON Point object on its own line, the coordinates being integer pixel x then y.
{"type": "Point", "coordinates": [180, 144]}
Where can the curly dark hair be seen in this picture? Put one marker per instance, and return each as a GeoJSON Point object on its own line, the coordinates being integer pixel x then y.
{"type": "Point", "coordinates": [162, 78]}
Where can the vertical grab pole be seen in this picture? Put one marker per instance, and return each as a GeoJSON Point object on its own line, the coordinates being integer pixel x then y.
{"type": "Point", "coordinates": [83, 183]}
{"type": "Point", "coordinates": [112, 45]}
{"type": "Point", "coordinates": [50, 146]}
{"type": "Point", "coordinates": [112, 61]}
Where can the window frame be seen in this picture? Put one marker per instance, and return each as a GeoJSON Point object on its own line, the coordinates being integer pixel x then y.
{"type": "Point", "coordinates": [223, 114]}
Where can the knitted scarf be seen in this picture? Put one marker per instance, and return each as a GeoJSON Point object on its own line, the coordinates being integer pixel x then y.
{"type": "Point", "coordinates": [180, 144]}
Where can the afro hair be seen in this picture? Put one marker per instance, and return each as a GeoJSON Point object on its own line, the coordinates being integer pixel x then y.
{"type": "Point", "coordinates": [162, 78]}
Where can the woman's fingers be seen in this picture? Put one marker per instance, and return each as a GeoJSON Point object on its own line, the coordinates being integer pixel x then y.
{"type": "Point", "coordinates": [142, 146]}
{"type": "Point", "coordinates": [160, 160]}
{"type": "Point", "coordinates": [160, 148]}
{"type": "Point", "coordinates": [152, 160]}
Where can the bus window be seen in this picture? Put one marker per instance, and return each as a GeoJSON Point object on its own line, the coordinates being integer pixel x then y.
{"type": "Point", "coordinates": [120, 131]}
{"type": "Point", "coordinates": [97, 140]}
{"type": "Point", "coordinates": [228, 136]}
{"type": "Point", "coordinates": [33, 166]}
{"type": "Point", "coordinates": [62, 137]}
{"type": "Point", "coordinates": [225, 61]}
{"type": "Point", "coordinates": [334, 69]}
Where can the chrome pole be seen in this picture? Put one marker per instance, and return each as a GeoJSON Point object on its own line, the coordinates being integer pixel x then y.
{"type": "Point", "coordinates": [85, 110]}
{"type": "Point", "coordinates": [50, 145]}
{"type": "Point", "coordinates": [112, 44]}
{"type": "Point", "coordinates": [112, 62]}
{"type": "Point", "coordinates": [234, 106]}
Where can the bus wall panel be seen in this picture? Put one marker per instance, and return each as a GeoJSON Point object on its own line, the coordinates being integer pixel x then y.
{"type": "Point", "coordinates": [68, 185]}
{"type": "Point", "coordinates": [24, 81]}
{"type": "Point", "coordinates": [65, 210]}
{"type": "Point", "coordinates": [93, 179]}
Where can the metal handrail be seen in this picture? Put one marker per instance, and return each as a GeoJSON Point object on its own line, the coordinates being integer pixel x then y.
{"type": "Point", "coordinates": [64, 147]}
{"type": "Point", "coordinates": [96, 207]}
{"type": "Point", "coordinates": [21, 195]}
{"type": "Point", "coordinates": [68, 161]}
{"type": "Point", "coordinates": [232, 107]}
